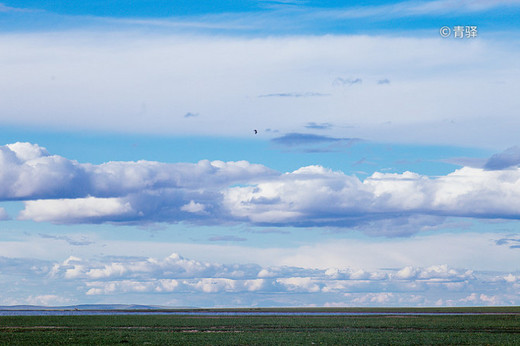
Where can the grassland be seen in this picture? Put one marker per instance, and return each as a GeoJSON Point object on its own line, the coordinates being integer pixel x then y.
{"type": "Point", "coordinates": [499, 327]}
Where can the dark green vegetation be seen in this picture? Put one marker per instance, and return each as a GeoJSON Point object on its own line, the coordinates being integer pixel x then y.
{"type": "Point", "coordinates": [458, 310]}
{"type": "Point", "coordinates": [499, 329]}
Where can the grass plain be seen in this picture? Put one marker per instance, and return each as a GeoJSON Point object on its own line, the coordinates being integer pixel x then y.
{"type": "Point", "coordinates": [472, 326]}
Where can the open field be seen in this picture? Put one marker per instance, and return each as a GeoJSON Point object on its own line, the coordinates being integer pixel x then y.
{"type": "Point", "coordinates": [502, 328]}
{"type": "Point", "coordinates": [389, 310]}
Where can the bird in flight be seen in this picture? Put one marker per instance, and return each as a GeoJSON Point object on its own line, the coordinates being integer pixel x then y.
{"type": "Point", "coordinates": [255, 131]}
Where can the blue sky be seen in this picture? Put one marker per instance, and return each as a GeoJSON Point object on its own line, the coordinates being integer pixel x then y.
{"type": "Point", "coordinates": [384, 171]}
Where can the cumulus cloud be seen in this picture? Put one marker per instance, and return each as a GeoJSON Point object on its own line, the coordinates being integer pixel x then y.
{"type": "Point", "coordinates": [317, 196]}
{"type": "Point", "coordinates": [29, 172]}
{"type": "Point", "coordinates": [88, 209]}
{"type": "Point", "coordinates": [352, 286]}
{"type": "Point", "coordinates": [59, 190]}
{"type": "Point", "coordinates": [173, 266]}
{"type": "Point", "coordinates": [47, 300]}
{"type": "Point", "coordinates": [158, 280]}
{"type": "Point", "coordinates": [176, 267]}
{"type": "Point", "coordinates": [193, 207]}
{"type": "Point", "coordinates": [130, 286]}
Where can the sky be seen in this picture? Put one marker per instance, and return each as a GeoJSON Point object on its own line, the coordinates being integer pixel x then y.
{"type": "Point", "coordinates": [384, 170]}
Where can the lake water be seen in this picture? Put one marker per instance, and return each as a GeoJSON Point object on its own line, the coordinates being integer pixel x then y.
{"type": "Point", "coordinates": [220, 313]}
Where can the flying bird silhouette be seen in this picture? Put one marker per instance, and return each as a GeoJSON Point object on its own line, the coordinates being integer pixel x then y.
{"type": "Point", "coordinates": [255, 131]}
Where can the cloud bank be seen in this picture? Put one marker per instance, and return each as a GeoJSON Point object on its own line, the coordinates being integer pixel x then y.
{"type": "Point", "coordinates": [174, 279]}
{"type": "Point", "coordinates": [55, 189]}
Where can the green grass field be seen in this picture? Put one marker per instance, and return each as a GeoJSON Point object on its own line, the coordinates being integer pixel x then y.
{"type": "Point", "coordinates": [498, 329]}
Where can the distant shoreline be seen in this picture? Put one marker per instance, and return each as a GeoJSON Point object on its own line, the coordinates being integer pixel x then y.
{"type": "Point", "coordinates": [90, 309]}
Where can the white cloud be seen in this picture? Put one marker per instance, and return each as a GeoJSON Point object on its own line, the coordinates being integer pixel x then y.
{"type": "Point", "coordinates": [382, 298]}
{"type": "Point", "coordinates": [406, 273]}
{"type": "Point", "coordinates": [177, 275]}
{"type": "Point", "coordinates": [305, 284]}
{"type": "Point", "coordinates": [27, 151]}
{"type": "Point", "coordinates": [254, 285]}
{"type": "Point", "coordinates": [193, 207]}
{"type": "Point", "coordinates": [51, 74]}
{"type": "Point", "coordinates": [317, 196]}
{"type": "Point", "coordinates": [47, 300]}
{"type": "Point", "coordinates": [29, 172]}
{"type": "Point", "coordinates": [123, 286]}
{"type": "Point", "coordinates": [210, 285]}
{"type": "Point", "coordinates": [264, 273]}
{"type": "Point", "coordinates": [196, 283]}
{"type": "Point", "coordinates": [482, 299]}
{"type": "Point", "coordinates": [393, 204]}
{"type": "Point", "coordinates": [88, 209]}
{"type": "Point", "coordinates": [166, 285]}
{"type": "Point", "coordinates": [511, 278]}
{"type": "Point", "coordinates": [173, 266]}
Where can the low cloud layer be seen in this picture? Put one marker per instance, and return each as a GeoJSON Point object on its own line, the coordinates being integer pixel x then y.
{"type": "Point", "coordinates": [175, 280]}
{"type": "Point", "coordinates": [55, 189]}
